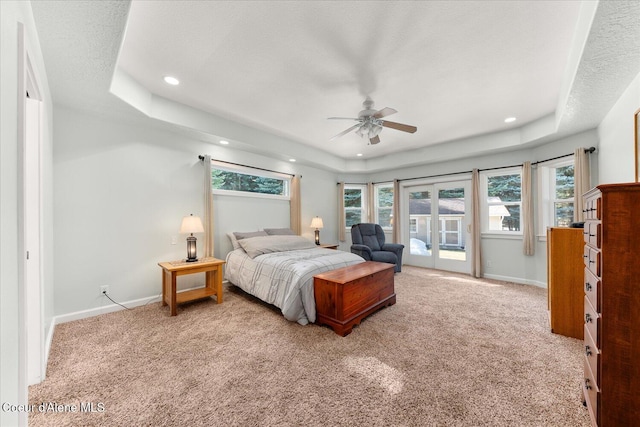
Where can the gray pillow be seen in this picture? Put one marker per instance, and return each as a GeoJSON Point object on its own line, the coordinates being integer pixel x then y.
{"type": "Point", "coordinates": [247, 234]}
{"type": "Point", "coordinates": [239, 235]}
{"type": "Point", "coordinates": [279, 232]}
{"type": "Point", "coordinates": [267, 244]}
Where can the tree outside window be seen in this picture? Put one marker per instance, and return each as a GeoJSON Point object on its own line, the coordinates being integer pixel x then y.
{"type": "Point", "coordinates": [564, 195]}
{"type": "Point", "coordinates": [353, 206]}
{"type": "Point", "coordinates": [248, 181]}
{"type": "Point", "coordinates": [384, 205]}
{"type": "Point", "coordinates": [504, 199]}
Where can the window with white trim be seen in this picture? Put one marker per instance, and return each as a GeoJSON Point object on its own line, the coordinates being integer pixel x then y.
{"type": "Point", "coordinates": [383, 205]}
{"type": "Point", "coordinates": [502, 201]}
{"type": "Point", "coordinates": [557, 192]}
{"type": "Point", "coordinates": [228, 178]}
{"type": "Point", "coordinates": [355, 204]}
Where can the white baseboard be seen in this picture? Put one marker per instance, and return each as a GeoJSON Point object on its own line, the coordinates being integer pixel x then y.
{"type": "Point", "coordinates": [515, 280]}
{"type": "Point", "coordinates": [111, 308]}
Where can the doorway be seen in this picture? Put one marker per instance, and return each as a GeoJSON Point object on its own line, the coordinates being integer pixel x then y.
{"type": "Point", "coordinates": [436, 228]}
{"type": "Point", "coordinates": [30, 112]}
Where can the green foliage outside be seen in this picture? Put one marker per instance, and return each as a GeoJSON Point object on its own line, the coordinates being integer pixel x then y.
{"type": "Point", "coordinates": [563, 211]}
{"type": "Point", "coordinates": [224, 180]}
{"type": "Point", "coordinates": [352, 206]}
{"type": "Point", "coordinates": [385, 206]}
{"type": "Point", "coordinates": [508, 188]}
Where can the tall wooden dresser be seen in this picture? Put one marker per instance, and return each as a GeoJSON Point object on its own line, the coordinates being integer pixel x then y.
{"type": "Point", "coordinates": [565, 271]}
{"type": "Point", "coordinates": [612, 304]}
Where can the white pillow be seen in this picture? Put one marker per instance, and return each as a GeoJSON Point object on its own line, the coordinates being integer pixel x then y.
{"type": "Point", "coordinates": [255, 246]}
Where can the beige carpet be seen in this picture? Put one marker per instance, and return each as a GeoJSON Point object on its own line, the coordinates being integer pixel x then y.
{"type": "Point", "coordinates": [453, 351]}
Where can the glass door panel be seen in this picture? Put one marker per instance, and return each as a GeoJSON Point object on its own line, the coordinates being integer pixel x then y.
{"type": "Point", "coordinates": [451, 212]}
{"type": "Point", "coordinates": [419, 226]}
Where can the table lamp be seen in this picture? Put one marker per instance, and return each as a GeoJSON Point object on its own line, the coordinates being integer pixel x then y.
{"type": "Point", "coordinates": [317, 224]}
{"type": "Point", "coordinates": [191, 224]}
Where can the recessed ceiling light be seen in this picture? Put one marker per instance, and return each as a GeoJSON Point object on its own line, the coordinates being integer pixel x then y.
{"type": "Point", "coordinates": [510, 120]}
{"type": "Point", "coordinates": [171, 80]}
{"type": "Point", "coordinates": [359, 154]}
{"type": "Point", "coordinates": [223, 142]}
{"type": "Point", "coordinates": [292, 160]}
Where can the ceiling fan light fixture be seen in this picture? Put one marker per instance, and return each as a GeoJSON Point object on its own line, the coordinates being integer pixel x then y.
{"type": "Point", "coordinates": [374, 130]}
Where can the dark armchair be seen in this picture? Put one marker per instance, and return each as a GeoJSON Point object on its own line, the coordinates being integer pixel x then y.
{"type": "Point", "coordinates": [368, 242]}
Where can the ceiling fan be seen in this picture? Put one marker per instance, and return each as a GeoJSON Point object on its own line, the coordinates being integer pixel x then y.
{"type": "Point", "coordinates": [370, 122]}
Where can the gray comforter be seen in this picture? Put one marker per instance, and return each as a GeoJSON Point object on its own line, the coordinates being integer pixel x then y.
{"type": "Point", "coordinates": [285, 279]}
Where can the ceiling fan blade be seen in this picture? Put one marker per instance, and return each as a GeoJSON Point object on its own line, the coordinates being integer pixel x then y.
{"type": "Point", "coordinates": [399, 126]}
{"type": "Point", "coordinates": [346, 131]}
{"type": "Point", "coordinates": [374, 140]}
{"type": "Point", "coordinates": [342, 118]}
{"type": "Point", "coordinates": [386, 111]}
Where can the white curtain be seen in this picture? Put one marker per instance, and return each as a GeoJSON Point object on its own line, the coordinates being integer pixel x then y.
{"type": "Point", "coordinates": [371, 203]}
{"type": "Point", "coordinates": [528, 232]}
{"type": "Point", "coordinates": [476, 256]}
{"type": "Point", "coordinates": [208, 208]}
{"type": "Point", "coordinates": [582, 182]}
{"type": "Point", "coordinates": [396, 212]}
{"type": "Point", "coordinates": [295, 206]}
{"type": "Point", "coordinates": [341, 219]}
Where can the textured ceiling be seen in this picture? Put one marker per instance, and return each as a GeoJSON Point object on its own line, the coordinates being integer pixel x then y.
{"type": "Point", "coordinates": [455, 70]}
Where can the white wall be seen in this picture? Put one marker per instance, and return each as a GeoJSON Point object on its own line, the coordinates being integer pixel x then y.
{"type": "Point", "coordinates": [12, 371]}
{"type": "Point", "coordinates": [616, 138]}
{"type": "Point", "coordinates": [121, 191]}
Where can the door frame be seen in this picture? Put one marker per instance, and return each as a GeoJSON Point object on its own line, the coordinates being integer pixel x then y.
{"type": "Point", "coordinates": [434, 185]}
{"type": "Point", "coordinates": [30, 228]}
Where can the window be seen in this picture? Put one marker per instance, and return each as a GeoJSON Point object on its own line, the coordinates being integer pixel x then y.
{"type": "Point", "coordinates": [354, 204]}
{"type": "Point", "coordinates": [228, 178]}
{"type": "Point", "coordinates": [384, 205]}
{"type": "Point", "coordinates": [503, 195]}
{"type": "Point", "coordinates": [557, 193]}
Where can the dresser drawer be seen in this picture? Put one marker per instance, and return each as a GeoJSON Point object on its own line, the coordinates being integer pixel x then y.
{"type": "Point", "coordinates": [592, 354]}
{"type": "Point", "coordinates": [592, 233]}
{"type": "Point", "coordinates": [592, 289]}
{"type": "Point", "coordinates": [591, 394]}
{"type": "Point", "coordinates": [592, 208]}
{"type": "Point", "coordinates": [592, 260]}
{"type": "Point", "coordinates": [592, 322]}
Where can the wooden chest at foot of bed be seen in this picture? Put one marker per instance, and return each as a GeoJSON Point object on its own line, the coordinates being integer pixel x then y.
{"type": "Point", "coordinates": [347, 295]}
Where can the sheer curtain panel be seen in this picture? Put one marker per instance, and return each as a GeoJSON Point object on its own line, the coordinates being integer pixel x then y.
{"type": "Point", "coordinates": [476, 261]}
{"type": "Point", "coordinates": [396, 212]}
{"type": "Point", "coordinates": [208, 208]}
{"type": "Point", "coordinates": [295, 208]}
{"type": "Point", "coordinates": [582, 182]}
{"type": "Point", "coordinates": [528, 234]}
{"type": "Point", "coordinates": [341, 219]}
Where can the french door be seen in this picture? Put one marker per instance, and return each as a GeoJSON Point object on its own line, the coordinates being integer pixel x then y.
{"type": "Point", "coordinates": [436, 225]}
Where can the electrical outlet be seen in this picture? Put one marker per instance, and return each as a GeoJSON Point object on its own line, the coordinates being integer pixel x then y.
{"type": "Point", "coordinates": [489, 264]}
{"type": "Point", "coordinates": [104, 289]}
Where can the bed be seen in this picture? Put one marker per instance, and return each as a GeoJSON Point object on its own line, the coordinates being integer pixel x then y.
{"type": "Point", "coordinates": [279, 270]}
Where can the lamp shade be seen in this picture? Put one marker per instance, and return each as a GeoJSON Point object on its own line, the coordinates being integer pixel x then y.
{"type": "Point", "coordinates": [191, 224]}
{"type": "Point", "coordinates": [316, 222]}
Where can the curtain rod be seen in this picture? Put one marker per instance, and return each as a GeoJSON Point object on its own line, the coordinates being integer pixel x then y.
{"type": "Point", "coordinates": [201, 157]}
{"type": "Point", "coordinates": [586, 150]}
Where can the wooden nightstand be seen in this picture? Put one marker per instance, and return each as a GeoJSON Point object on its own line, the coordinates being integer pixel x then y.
{"type": "Point", "coordinates": [212, 268]}
{"type": "Point", "coordinates": [329, 246]}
